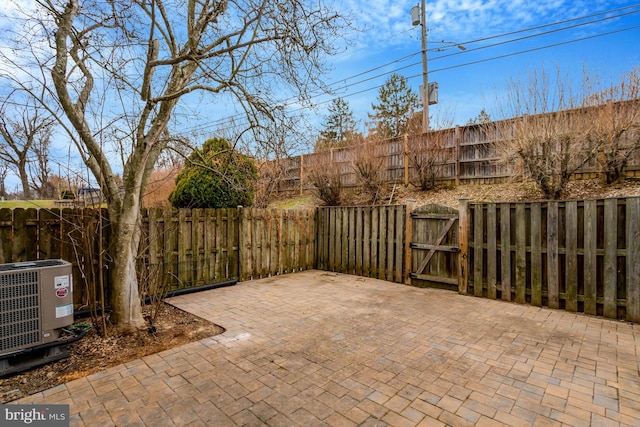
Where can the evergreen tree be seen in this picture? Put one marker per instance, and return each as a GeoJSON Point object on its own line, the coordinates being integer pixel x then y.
{"type": "Point", "coordinates": [217, 176]}
{"type": "Point", "coordinates": [396, 104]}
{"type": "Point", "coordinates": [482, 118]}
{"type": "Point", "coordinates": [339, 128]}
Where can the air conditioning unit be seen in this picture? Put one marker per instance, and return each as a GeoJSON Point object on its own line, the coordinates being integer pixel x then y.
{"type": "Point", "coordinates": [36, 305]}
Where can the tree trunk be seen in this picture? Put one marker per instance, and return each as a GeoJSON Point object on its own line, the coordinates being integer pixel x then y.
{"type": "Point", "coordinates": [24, 181]}
{"type": "Point", "coordinates": [125, 298]}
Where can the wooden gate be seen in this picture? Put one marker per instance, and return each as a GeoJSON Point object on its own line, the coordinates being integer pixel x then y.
{"type": "Point", "coordinates": [434, 247]}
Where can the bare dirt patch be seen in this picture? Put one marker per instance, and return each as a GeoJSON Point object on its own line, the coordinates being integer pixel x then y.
{"type": "Point", "coordinates": [93, 353]}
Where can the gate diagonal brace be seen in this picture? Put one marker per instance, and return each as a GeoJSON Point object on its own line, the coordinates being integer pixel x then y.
{"type": "Point", "coordinates": [443, 234]}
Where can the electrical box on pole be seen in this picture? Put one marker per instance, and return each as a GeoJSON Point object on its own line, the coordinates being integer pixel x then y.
{"type": "Point", "coordinates": [415, 16]}
{"type": "Point", "coordinates": [433, 93]}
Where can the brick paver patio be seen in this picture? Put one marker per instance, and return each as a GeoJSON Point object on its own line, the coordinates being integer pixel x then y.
{"type": "Point", "coordinates": [317, 348]}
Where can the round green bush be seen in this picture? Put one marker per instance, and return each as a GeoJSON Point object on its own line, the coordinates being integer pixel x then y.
{"type": "Point", "coordinates": [216, 176]}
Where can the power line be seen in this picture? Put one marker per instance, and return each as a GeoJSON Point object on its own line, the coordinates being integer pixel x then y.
{"type": "Point", "coordinates": [491, 45]}
{"type": "Point", "coordinates": [534, 49]}
{"type": "Point", "coordinates": [538, 27]}
{"type": "Point", "coordinates": [344, 81]}
{"type": "Point", "coordinates": [485, 60]}
{"type": "Point", "coordinates": [500, 43]}
{"type": "Point", "coordinates": [532, 35]}
{"type": "Point", "coordinates": [288, 101]}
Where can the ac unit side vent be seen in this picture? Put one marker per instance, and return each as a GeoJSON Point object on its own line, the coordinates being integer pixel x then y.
{"type": "Point", "coordinates": [20, 312]}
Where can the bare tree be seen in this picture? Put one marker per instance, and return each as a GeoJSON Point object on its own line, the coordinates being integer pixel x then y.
{"type": "Point", "coordinates": [4, 171]}
{"type": "Point", "coordinates": [120, 70]}
{"type": "Point", "coordinates": [549, 134]}
{"type": "Point", "coordinates": [25, 137]}
{"type": "Point", "coordinates": [614, 121]}
{"type": "Point", "coordinates": [41, 173]}
{"type": "Point", "coordinates": [272, 148]}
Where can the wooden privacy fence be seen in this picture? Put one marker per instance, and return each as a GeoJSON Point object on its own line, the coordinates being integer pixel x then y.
{"type": "Point", "coordinates": [580, 256]}
{"type": "Point", "coordinates": [465, 155]}
{"type": "Point", "coordinates": [180, 248]}
{"type": "Point", "coordinates": [276, 242]}
{"type": "Point", "coordinates": [365, 240]}
{"type": "Point", "coordinates": [70, 234]}
{"type": "Point", "coordinates": [191, 247]}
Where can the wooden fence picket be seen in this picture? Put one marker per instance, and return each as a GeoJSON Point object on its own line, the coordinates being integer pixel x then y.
{"type": "Point", "coordinates": [505, 251]}
{"type": "Point", "coordinates": [571, 256]}
{"type": "Point", "coordinates": [590, 259]}
{"type": "Point", "coordinates": [536, 254]}
{"type": "Point", "coordinates": [581, 256]}
{"type": "Point", "coordinates": [633, 259]}
{"type": "Point", "coordinates": [553, 286]}
{"type": "Point", "coordinates": [610, 274]}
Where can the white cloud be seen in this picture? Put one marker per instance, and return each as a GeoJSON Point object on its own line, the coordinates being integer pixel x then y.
{"type": "Point", "coordinates": [385, 24]}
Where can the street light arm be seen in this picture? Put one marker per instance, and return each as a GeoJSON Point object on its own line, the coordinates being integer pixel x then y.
{"type": "Point", "coordinates": [458, 45]}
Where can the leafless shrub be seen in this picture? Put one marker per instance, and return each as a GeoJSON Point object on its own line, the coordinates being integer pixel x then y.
{"type": "Point", "coordinates": [423, 158]}
{"type": "Point", "coordinates": [550, 134]}
{"type": "Point", "coordinates": [615, 124]}
{"type": "Point", "coordinates": [154, 288]}
{"type": "Point", "coordinates": [270, 173]}
{"type": "Point", "coordinates": [326, 181]}
{"type": "Point", "coordinates": [368, 166]}
{"type": "Point", "coordinates": [427, 154]}
{"type": "Point", "coordinates": [84, 232]}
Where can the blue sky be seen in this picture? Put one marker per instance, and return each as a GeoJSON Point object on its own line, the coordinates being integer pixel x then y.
{"type": "Point", "coordinates": [601, 35]}
{"type": "Point", "coordinates": [473, 79]}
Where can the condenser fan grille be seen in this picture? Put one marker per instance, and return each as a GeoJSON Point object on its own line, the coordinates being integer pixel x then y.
{"type": "Point", "coordinates": [19, 310]}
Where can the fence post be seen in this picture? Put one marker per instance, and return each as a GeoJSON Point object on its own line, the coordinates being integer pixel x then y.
{"type": "Point", "coordinates": [408, 235]}
{"type": "Point", "coordinates": [406, 159]}
{"type": "Point", "coordinates": [632, 250]}
{"type": "Point", "coordinates": [241, 268]}
{"type": "Point", "coordinates": [456, 137]}
{"type": "Point", "coordinates": [463, 235]}
{"type": "Point", "coordinates": [301, 171]}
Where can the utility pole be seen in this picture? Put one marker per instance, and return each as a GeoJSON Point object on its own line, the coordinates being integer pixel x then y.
{"type": "Point", "coordinates": [425, 72]}
{"type": "Point", "coordinates": [419, 17]}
